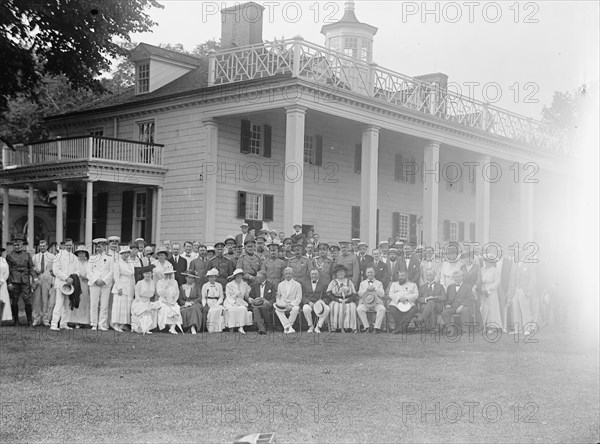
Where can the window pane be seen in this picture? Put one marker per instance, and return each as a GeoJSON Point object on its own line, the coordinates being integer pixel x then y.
{"type": "Point", "coordinates": [253, 206]}
{"type": "Point", "coordinates": [309, 151]}
{"type": "Point", "coordinates": [143, 80]}
{"type": "Point", "coordinates": [255, 137]}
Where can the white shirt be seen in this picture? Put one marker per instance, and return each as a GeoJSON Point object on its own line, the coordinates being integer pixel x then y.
{"type": "Point", "coordinates": [48, 259]}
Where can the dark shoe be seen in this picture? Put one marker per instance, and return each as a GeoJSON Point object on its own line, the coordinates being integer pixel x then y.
{"type": "Point", "coordinates": [365, 329]}
{"type": "Point", "coordinates": [378, 330]}
{"type": "Point", "coordinates": [371, 329]}
{"type": "Point", "coordinates": [262, 332]}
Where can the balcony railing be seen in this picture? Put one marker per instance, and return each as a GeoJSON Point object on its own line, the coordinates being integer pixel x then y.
{"type": "Point", "coordinates": [83, 148]}
{"type": "Point", "coordinates": [339, 72]}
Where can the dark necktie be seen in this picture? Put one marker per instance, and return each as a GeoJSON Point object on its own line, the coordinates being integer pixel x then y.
{"type": "Point", "coordinates": [43, 267]}
{"type": "Point", "coordinates": [314, 282]}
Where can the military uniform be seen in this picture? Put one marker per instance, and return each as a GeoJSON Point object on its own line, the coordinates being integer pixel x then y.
{"type": "Point", "coordinates": [20, 269]}
{"type": "Point", "coordinates": [250, 263]}
{"type": "Point", "coordinates": [351, 263]}
{"type": "Point", "coordinates": [325, 268]}
{"type": "Point", "coordinates": [274, 269]}
{"type": "Point", "coordinates": [301, 267]}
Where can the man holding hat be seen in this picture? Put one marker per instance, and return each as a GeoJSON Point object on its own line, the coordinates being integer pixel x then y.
{"type": "Point", "coordinates": [21, 270]}
{"type": "Point", "coordinates": [64, 265]}
{"type": "Point", "coordinates": [273, 266]}
{"type": "Point", "coordinates": [371, 292]}
{"type": "Point", "coordinates": [261, 299]}
{"type": "Point", "coordinates": [289, 296]}
{"type": "Point", "coordinates": [349, 260]}
{"type": "Point", "coordinates": [100, 280]}
{"type": "Point", "coordinates": [249, 262]}
{"type": "Point", "coordinates": [298, 236]}
{"type": "Point", "coordinates": [241, 238]}
{"type": "Point", "coordinates": [313, 293]}
{"type": "Point", "coordinates": [300, 264]}
{"type": "Point", "coordinates": [224, 266]}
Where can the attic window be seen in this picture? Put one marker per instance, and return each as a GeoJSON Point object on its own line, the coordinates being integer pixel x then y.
{"type": "Point", "coordinates": [143, 78]}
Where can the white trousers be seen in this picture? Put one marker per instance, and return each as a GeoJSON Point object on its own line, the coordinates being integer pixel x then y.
{"type": "Point", "coordinates": [99, 296]}
{"type": "Point", "coordinates": [62, 312]}
{"type": "Point", "coordinates": [361, 311]}
{"type": "Point", "coordinates": [285, 321]}
{"type": "Point", "coordinates": [308, 310]}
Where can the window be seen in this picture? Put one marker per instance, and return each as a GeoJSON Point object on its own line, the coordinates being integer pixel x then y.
{"type": "Point", "coordinates": [141, 206]}
{"type": "Point", "coordinates": [405, 169]}
{"type": "Point", "coordinates": [96, 132]}
{"type": "Point", "coordinates": [453, 234]}
{"type": "Point", "coordinates": [255, 138]}
{"type": "Point", "coordinates": [365, 50]}
{"type": "Point", "coordinates": [351, 46]}
{"type": "Point", "coordinates": [403, 226]}
{"type": "Point", "coordinates": [253, 206]}
{"type": "Point", "coordinates": [146, 131]}
{"type": "Point", "coordinates": [143, 78]}
{"type": "Point", "coordinates": [309, 150]}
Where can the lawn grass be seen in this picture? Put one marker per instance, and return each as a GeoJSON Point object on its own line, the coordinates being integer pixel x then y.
{"type": "Point", "coordinates": [84, 386]}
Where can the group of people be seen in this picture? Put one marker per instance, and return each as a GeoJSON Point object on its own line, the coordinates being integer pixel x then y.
{"type": "Point", "coordinates": [255, 278]}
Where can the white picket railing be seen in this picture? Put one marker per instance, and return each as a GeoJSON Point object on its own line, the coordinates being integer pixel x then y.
{"type": "Point", "coordinates": [83, 148]}
{"type": "Point", "coordinates": [302, 59]}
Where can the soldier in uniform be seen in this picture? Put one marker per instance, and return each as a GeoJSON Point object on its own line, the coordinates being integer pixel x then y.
{"type": "Point", "coordinates": [229, 250]}
{"type": "Point", "coordinates": [287, 249]}
{"type": "Point", "coordinates": [20, 270]}
{"type": "Point", "coordinates": [224, 266]}
{"type": "Point", "coordinates": [334, 252]}
{"type": "Point", "coordinates": [260, 247]}
{"type": "Point", "coordinates": [300, 265]}
{"type": "Point", "coordinates": [323, 264]}
{"type": "Point", "coordinates": [348, 259]}
{"type": "Point", "coordinates": [249, 262]}
{"type": "Point", "coordinates": [273, 266]}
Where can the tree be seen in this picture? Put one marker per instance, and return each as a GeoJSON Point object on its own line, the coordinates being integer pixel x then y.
{"type": "Point", "coordinates": [75, 38]}
{"type": "Point", "coordinates": [563, 113]}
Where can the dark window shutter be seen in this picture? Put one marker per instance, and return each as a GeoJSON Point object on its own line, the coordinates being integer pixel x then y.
{"type": "Point", "coordinates": [461, 231]}
{"type": "Point", "coordinates": [446, 230]}
{"type": "Point", "coordinates": [126, 216]}
{"type": "Point", "coordinates": [318, 150]}
{"type": "Point", "coordinates": [73, 224]}
{"type": "Point", "coordinates": [241, 213]}
{"type": "Point", "coordinates": [412, 229]}
{"type": "Point", "coordinates": [413, 175]}
{"type": "Point", "coordinates": [245, 137]}
{"type": "Point", "coordinates": [99, 229]}
{"type": "Point", "coordinates": [267, 141]}
{"type": "Point", "coordinates": [395, 224]}
{"type": "Point", "coordinates": [267, 207]}
{"type": "Point", "coordinates": [358, 158]}
{"type": "Point", "coordinates": [399, 173]}
{"type": "Point", "coordinates": [472, 231]}
{"type": "Point", "coordinates": [148, 231]}
{"type": "Point", "coordinates": [355, 222]}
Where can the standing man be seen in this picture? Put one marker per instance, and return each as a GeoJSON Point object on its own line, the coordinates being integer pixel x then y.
{"type": "Point", "coordinates": [313, 292]}
{"type": "Point", "coordinates": [382, 270]}
{"type": "Point", "coordinates": [261, 299]}
{"type": "Point", "coordinates": [180, 265]}
{"type": "Point", "coordinates": [411, 264]}
{"type": "Point", "coordinates": [393, 263]}
{"type": "Point", "coordinates": [249, 262]}
{"type": "Point", "coordinates": [349, 260]}
{"type": "Point", "coordinates": [355, 241]}
{"type": "Point", "coordinates": [300, 265]}
{"type": "Point", "coordinates": [371, 292]}
{"type": "Point", "coordinates": [188, 253]}
{"type": "Point", "coordinates": [430, 262]}
{"type": "Point", "coordinates": [100, 280]}
{"type": "Point", "coordinates": [113, 247]}
{"type": "Point", "coordinates": [289, 296]}
{"type": "Point", "coordinates": [141, 244]}
{"type": "Point", "coordinates": [43, 303]}
{"type": "Point", "coordinates": [241, 238]}
{"type": "Point", "coordinates": [521, 293]}
{"type": "Point", "coordinates": [384, 248]}
{"type": "Point", "coordinates": [323, 264]}
{"type": "Point", "coordinates": [260, 247]}
{"type": "Point", "coordinates": [64, 265]}
{"type": "Point", "coordinates": [298, 236]}
{"type": "Point", "coordinates": [20, 271]}
{"type": "Point", "coordinates": [273, 266]}
{"type": "Point", "coordinates": [364, 260]}
{"type": "Point", "coordinates": [224, 266]}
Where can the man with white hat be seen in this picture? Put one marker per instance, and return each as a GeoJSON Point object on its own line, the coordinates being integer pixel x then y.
{"type": "Point", "coordinates": [113, 247]}
{"type": "Point", "coordinates": [63, 266]}
{"type": "Point", "coordinates": [298, 236]}
{"type": "Point", "coordinates": [370, 293]}
{"type": "Point", "coordinates": [241, 238]}
{"type": "Point", "coordinates": [314, 290]}
{"type": "Point", "coordinates": [289, 296]}
{"type": "Point", "coordinates": [355, 241]}
{"type": "Point", "coordinates": [141, 244]}
{"type": "Point", "coordinates": [100, 279]}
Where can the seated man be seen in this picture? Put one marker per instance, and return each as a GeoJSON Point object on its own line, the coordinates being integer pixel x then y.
{"type": "Point", "coordinates": [289, 296]}
{"type": "Point", "coordinates": [433, 298]}
{"type": "Point", "coordinates": [403, 295]}
{"type": "Point", "coordinates": [261, 298]}
{"type": "Point", "coordinates": [370, 293]}
{"type": "Point", "coordinates": [313, 292]}
{"type": "Point", "coordinates": [459, 300]}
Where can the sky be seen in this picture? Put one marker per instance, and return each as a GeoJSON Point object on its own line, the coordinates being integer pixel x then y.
{"type": "Point", "coordinates": [512, 54]}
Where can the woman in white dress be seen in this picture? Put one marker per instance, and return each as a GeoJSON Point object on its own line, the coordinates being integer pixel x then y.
{"type": "Point", "coordinates": [343, 295]}
{"type": "Point", "coordinates": [212, 302]}
{"type": "Point", "coordinates": [123, 290]}
{"type": "Point", "coordinates": [236, 293]}
{"type": "Point", "coordinates": [168, 294]}
{"type": "Point", "coordinates": [144, 313]}
{"type": "Point", "coordinates": [162, 265]}
{"type": "Point", "coordinates": [6, 314]}
{"type": "Point", "coordinates": [490, 304]}
{"type": "Point", "coordinates": [81, 315]}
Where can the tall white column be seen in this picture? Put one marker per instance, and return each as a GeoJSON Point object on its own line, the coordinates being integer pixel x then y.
{"type": "Point", "coordinates": [368, 185]}
{"type": "Point", "coordinates": [210, 180]}
{"type": "Point", "coordinates": [430, 176]}
{"type": "Point", "coordinates": [293, 187]}
{"type": "Point", "coordinates": [5, 217]}
{"type": "Point", "coordinates": [482, 200]}
{"type": "Point", "coordinates": [59, 213]}
{"type": "Point", "coordinates": [30, 220]}
{"type": "Point", "coordinates": [89, 213]}
{"type": "Point", "coordinates": [526, 211]}
{"type": "Point", "coordinates": [158, 215]}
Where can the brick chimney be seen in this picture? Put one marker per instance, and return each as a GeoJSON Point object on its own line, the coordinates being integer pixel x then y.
{"type": "Point", "coordinates": [241, 25]}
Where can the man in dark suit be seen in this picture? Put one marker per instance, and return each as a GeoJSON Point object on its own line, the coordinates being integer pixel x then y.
{"type": "Point", "coordinates": [394, 263]}
{"type": "Point", "coordinates": [459, 301]}
{"type": "Point", "coordinates": [200, 267]}
{"type": "Point", "coordinates": [364, 260]}
{"type": "Point", "coordinates": [432, 298]}
{"type": "Point", "coordinates": [410, 263]}
{"type": "Point", "coordinates": [382, 270]}
{"type": "Point", "coordinates": [298, 236]}
{"type": "Point", "coordinates": [312, 291]}
{"type": "Point", "coordinates": [179, 263]}
{"type": "Point", "coordinates": [264, 289]}
{"type": "Point", "coordinates": [241, 238]}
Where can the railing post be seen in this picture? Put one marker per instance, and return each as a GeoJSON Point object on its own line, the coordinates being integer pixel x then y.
{"type": "Point", "coordinates": [433, 99]}
{"type": "Point", "coordinates": [30, 148]}
{"type": "Point", "coordinates": [90, 147]}
{"type": "Point", "coordinates": [372, 78]}
{"type": "Point", "coordinates": [212, 67]}
{"type": "Point", "coordinates": [4, 158]}
{"type": "Point", "coordinates": [485, 116]}
{"type": "Point", "coordinates": [297, 48]}
{"type": "Point", "coordinates": [58, 148]}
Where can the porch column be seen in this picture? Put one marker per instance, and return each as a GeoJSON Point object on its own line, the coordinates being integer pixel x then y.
{"type": "Point", "coordinates": [526, 211]}
{"type": "Point", "coordinates": [431, 189]}
{"type": "Point", "coordinates": [368, 185]}
{"type": "Point", "coordinates": [30, 220]}
{"type": "Point", "coordinates": [293, 185]}
{"type": "Point", "coordinates": [158, 215]}
{"type": "Point", "coordinates": [89, 213]}
{"type": "Point", "coordinates": [209, 172]}
{"type": "Point", "coordinates": [5, 217]}
{"type": "Point", "coordinates": [482, 199]}
{"type": "Point", "coordinates": [59, 213]}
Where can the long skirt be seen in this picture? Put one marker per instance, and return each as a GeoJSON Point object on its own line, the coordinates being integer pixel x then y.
{"type": "Point", "coordinates": [121, 308]}
{"type": "Point", "coordinates": [192, 316]}
{"type": "Point", "coordinates": [236, 317]}
{"type": "Point", "coordinates": [214, 319]}
{"type": "Point", "coordinates": [81, 315]}
{"type": "Point", "coordinates": [144, 315]}
{"type": "Point", "coordinates": [6, 315]}
{"type": "Point", "coordinates": [490, 311]}
{"type": "Point", "coordinates": [168, 315]}
{"type": "Point", "coordinates": [335, 315]}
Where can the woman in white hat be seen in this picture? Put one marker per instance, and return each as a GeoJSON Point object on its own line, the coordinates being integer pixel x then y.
{"type": "Point", "coordinates": [212, 302]}
{"type": "Point", "coordinates": [236, 293]}
{"type": "Point", "coordinates": [81, 315]}
{"type": "Point", "coordinates": [143, 312]}
{"type": "Point", "coordinates": [123, 290]}
{"type": "Point", "coordinates": [162, 265]}
{"type": "Point", "coordinates": [168, 294]}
